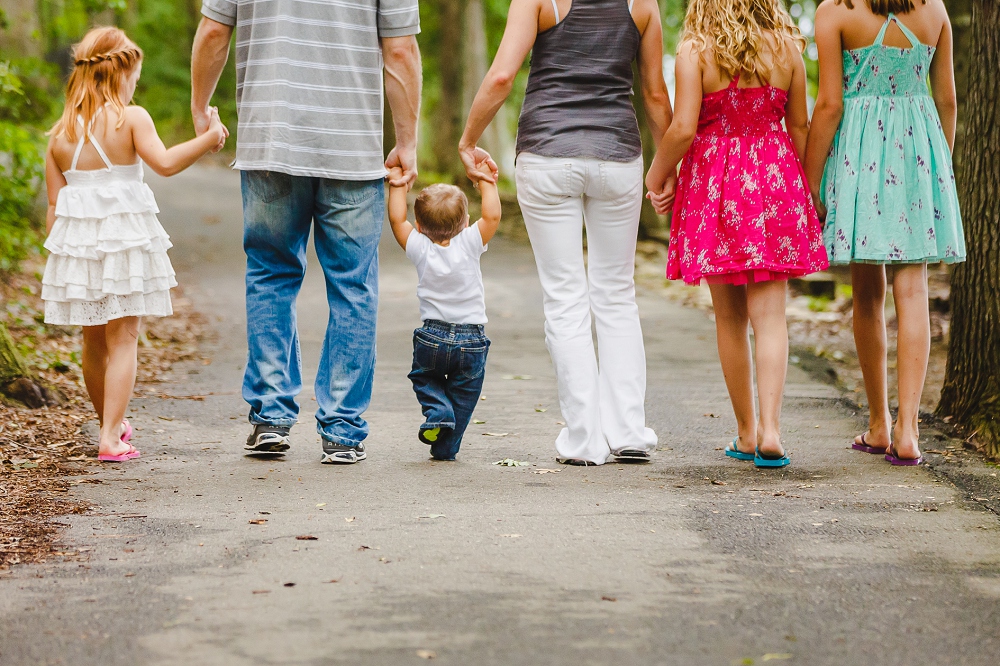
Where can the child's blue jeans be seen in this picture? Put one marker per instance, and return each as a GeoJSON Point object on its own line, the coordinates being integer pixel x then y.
{"type": "Point", "coordinates": [449, 364]}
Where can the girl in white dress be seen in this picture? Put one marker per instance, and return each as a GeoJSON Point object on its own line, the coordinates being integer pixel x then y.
{"type": "Point", "coordinates": [108, 264]}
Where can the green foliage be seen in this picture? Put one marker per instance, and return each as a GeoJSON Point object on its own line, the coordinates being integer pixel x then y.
{"type": "Point", "coordinates": [21, 166]}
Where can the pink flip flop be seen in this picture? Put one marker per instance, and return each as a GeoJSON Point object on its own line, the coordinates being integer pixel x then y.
{"type": "Point", "coordinates": [131, 454]}
{"type": "Point", "coordinates": [127, 435]}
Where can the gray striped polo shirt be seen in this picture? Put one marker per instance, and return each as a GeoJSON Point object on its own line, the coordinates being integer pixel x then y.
{"type": "Point", "coordinates": [309, 82]}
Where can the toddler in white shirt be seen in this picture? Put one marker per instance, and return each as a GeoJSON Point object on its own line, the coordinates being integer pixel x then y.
{"type": "Point", "coordinates": [449, 350]}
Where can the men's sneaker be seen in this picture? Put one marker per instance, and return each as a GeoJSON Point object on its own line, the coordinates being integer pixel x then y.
{"type": "Point", "coordinates": [341, 454]}
{"type": "Point", "coordinates": [267, 439]}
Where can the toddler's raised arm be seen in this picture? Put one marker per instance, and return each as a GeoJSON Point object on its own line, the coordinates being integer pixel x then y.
{"type": "Point", "coordinates": [492, 212]}
{"type": "Point", "coordinates": [401, 228]}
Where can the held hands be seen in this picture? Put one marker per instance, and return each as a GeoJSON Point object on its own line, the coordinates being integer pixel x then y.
{"type": "Point", "coordinates": [478, 164]}
{"type": "Point", "coordinates": [820, 208]}
{"type": "Point", "coordinates": [661, 192]}
{"type": "Point", "coordinates": [208, 121]}
{"type": "Point", "coordinates": [397, 175]}
{"type": "Point", "coordinates": [402, 166]}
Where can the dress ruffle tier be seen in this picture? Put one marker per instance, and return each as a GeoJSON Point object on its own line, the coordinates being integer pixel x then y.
{"type": "Point", "coordinates": [107, 251]}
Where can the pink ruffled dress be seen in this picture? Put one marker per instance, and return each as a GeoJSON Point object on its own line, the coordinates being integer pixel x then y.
{"type": "Point", "coordinates": [743, 211]}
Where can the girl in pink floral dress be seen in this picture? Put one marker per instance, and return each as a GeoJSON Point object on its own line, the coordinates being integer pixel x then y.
{"type": "Point", "coordinates": [743, 220]}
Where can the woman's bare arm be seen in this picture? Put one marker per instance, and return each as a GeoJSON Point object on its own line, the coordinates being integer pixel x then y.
{"type": "Point", "coordinates": [518, 38]}
{"type": "Point", "coordinates": [655, 97]}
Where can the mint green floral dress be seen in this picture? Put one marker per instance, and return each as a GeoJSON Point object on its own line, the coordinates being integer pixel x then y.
{"type": "Point", "coordinates": [889, 185]}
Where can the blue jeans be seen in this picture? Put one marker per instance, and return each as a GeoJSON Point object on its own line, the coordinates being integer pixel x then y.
{"type": "Point", "coordinates": [449, 365]}
{"type": "Point", "coordinates": [279, 211]}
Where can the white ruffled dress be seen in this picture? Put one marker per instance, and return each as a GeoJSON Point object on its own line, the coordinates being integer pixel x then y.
{"type": "Point", "coordinates": [107, 251]}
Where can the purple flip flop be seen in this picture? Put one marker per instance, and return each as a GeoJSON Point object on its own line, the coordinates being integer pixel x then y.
{"type": "Point", "coordinates": [890, 456]}
{"type": "Point", "coordinates": [863, 446]}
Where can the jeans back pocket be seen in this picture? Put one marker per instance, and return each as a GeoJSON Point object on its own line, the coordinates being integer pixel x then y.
{"type": "Point", "coordinates": [268, 186]}
{"type": "Point", "coordinates": [472, 358]}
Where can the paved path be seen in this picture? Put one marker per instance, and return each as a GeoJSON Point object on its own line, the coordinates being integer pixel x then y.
{"type": "Point", "coordinates": [693, 559]}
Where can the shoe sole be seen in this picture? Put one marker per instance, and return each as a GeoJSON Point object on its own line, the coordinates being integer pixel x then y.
{"type": "Point", "coordinates": [269, 446]}
{"type": "Point", "coordinates": [632, 456]}
{"type": "Point", "coordinates": [342, 457]}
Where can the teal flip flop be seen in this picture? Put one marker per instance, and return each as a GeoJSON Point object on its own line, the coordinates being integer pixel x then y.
{"type": "Point", "coordinates": [733, 451]}
{"type": "Point", "coordinates": [771, 460]}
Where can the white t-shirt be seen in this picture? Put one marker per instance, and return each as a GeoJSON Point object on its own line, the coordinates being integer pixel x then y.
{"type": "Point", "coordinates": [450, 282]}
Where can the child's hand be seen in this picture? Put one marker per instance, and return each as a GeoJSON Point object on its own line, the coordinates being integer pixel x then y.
{"type": "Point", "coordinates": [217, 129]}
{"type": "Point", "coordinates": [486, 166]}
{"type": "Point", "coordinates": [395, 173]}
{"type": "Point", "coordinates": [820, 208]}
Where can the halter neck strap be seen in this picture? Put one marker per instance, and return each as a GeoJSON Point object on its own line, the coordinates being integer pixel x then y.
{"type": "Point", "coordinates": [88, 133]}
{"type": "Point", "coordinates": [891, 18]}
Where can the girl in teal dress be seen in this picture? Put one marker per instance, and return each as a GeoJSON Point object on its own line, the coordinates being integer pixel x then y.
{"type": "Point", "coordinates": [879, 166]}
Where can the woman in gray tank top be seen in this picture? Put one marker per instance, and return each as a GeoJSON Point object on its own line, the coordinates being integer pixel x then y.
{"type": "Point", "coordinates": [579, 162]}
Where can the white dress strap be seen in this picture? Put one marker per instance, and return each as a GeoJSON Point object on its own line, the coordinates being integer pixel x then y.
{"type": "Point", "coordinates": [555, 8]}
{"type": "Point", "coordinates": [630, 3]}
{"type": "Point", "coordinates": [88, 133]}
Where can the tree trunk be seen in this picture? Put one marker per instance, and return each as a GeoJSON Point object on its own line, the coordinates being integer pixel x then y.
{"type": "Point", "coordinates": [971, 393]}
{"type": "Point", "coordinates": [961, 21]}
{"type": "Point", "coordinates": [447, 114]}
{"type": "Point", "coordinates": [11, 364]}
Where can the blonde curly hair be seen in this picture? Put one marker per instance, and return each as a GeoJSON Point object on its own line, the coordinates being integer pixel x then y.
{"type": "Point", "coordinates": [734, 32]}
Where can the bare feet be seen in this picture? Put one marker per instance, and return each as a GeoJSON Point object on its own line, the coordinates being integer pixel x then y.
{"type": "Point", "coordinates": [770, 443]}
{"type": "Point", "coordinates": [111, 443]}
{"type": "Point", "coordinates": [906, 446]}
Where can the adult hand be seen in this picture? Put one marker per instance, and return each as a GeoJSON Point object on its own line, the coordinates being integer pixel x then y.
{"type": "Point", "coordinates": [403, 158]}
{"type": "Point", "coordinates": [663, 201]}
{"type": "Point", "coordinates": [478, 164]}
{"type": "Point", "coordinates": [203, 122]}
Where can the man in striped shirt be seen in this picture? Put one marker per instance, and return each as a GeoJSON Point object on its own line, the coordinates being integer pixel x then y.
{"type": "Point", "coordinates": [309, 151]}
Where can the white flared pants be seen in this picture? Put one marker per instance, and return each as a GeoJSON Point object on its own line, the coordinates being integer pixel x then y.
{"type": "Point", "coordinates": [601, 397]}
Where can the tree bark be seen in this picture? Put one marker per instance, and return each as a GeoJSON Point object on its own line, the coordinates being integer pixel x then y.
{"type": "Point", "coordinates": [12, 366]}
{"type": "Point", "coordinates": [961, 22]}
{"type": "Point", "coordinates": [971, 393]}
{"type": "Point", "coordinates": [447, 113]}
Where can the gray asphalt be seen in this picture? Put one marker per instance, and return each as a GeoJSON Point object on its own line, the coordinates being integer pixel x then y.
{"type": "Point", "coordinates": [692, 559]}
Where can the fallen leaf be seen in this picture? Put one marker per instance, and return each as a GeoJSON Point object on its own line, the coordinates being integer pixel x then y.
{"type": "Point", "coordinates": [262, 591]}
{"type": "Point", "coordinates": [817, 524]}
{"type": "Point", "coordinates": [426, 654]}
{"type": "Point", "coordinates": [365, 548]}
{"type": "Point", "coordinates": [776, 656]}
{"type": "Point", "coordinates": [606, 598]}
{"type": "Point", "coordinates": [264, 513]}
{"type": "Point", "coordinates": [289, 584]}
{"type": "Point", "coordinates": [756, 514]}
{"type": "Point", "coordinates": [384, 560]}
{"type": "Point", "coordinates": [333, 580]}
{"type": "Point", "coordinates": [716, 482]}
{"type": "Point", "coordinates": [351, 519]}
{"type": "Point", "coordinates": [306, 537]}
{"type": "Point", "coordinates": [545, 470]}
{"type": "Point", "coordinates": [495, 434]}
{"type": "Point", "coordinates": [165, 418]}
{"type": "Point", "coordinates": [540, 410]}
{"type": "Point", "coordinates": [512, 536]}
{"type": "Point", "coordinates": [258, 521]}
{"type": "Point", "coordinates": [711, 416]}
{"type": "Point", "coordinates": [433, 515]}
{"type": "Point", "coordinates": [321, 504]}
{"type": "Point", "coordinates": [129, 575]}
{"type": "Point", "coordinates": [478, 422]}
{"type": "Point", "coordinates": [519, 377]}
{"type": "Point", "coordinates": [510, 462]}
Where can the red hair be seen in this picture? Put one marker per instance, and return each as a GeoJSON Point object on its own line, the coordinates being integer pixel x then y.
{"type": "Point", "coordinates": [102, 62]}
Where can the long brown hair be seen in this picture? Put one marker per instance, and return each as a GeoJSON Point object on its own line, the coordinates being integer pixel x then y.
{"type": "Point", "coordinates": [102, 61]}
{"type": "Point", "coordinates": [734, 31]}
{"type": "Point", "coordinates": [885, 7]}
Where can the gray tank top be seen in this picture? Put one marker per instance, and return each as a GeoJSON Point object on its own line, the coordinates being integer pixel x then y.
{"type": "Point", "coordinates": [578, 99]}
